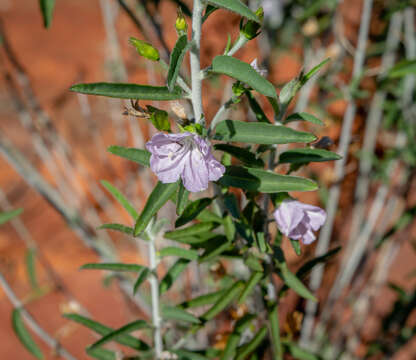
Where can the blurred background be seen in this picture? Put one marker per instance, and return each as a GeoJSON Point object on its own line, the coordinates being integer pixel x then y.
{"type": "Point", "coordinates": [53, 156]}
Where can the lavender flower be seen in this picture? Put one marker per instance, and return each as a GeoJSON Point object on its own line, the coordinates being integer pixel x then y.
{"type": "Point", "coordinates": [297, 220]}
{"type": "Point", "coordinates": [255, 66]}
{"type": "Point", "coordinates": [187, 156]}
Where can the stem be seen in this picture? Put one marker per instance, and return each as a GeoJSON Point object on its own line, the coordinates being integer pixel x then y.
{"type": "Point", "coordinates": [219, 116]}
{"type": "Point", "coordinates": [334, 193]}
{"type": "Point", "coordinates": [31, 322]}
{"type": "Point", "coordinates": [154, 290]}
{"type": "Point", "coordinates": [241, 41]}
{"type": "Point", "coordinates": [196, 75]}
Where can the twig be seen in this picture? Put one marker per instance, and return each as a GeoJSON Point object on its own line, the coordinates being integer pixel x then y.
{"type": "Point", "coordinates": [334, 193]}
{"type": "Point", "coordinates": [31, 322]}
{"type": "Point", "coordinates": [196, 76]}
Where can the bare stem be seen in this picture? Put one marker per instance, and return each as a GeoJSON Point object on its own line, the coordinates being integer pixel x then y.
{"type": "Point", "coordinates": [31, 322]}
{"type": "Point", "coordinates": [154, 290]}
{"type": "Point", "coordinates": [196, 76]}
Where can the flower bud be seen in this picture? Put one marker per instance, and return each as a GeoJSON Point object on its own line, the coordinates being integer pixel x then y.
{"type": "Point", "coordinates": [251, 28]}
{"type": "Point", "coordinates": [180, 23]}
{"type": "Point", "coordinates": [159, 118]}
{"type": "Point", "coordinates": [238, 88]}
{"type": "Point", "coordinates": [145, 49]}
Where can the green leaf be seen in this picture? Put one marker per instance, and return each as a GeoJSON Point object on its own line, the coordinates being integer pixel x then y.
{"type": "Point", "coordinates": [179, 252]}
{"type": "Point", "coordinates": [302, 116]}
{"type": "Point", "coordinates": [306, 155]}
{"type": "Point", "coordinates": [126, 329]}
{"type": "Point", "coordinates": [202, 300]}
{"type": "Point", "coordinates": [294, 283]}
{"type": "Point", "coordinates": [113, 267]}
{"type": "Point", "coordinates": [296, 246]}
{"type": "Point", "coordinates": [176, 313]}
{"type": "Point", "coordinates": [208, 216]}
{"type": "Point", "coordinates": [137, 155]}
{"type": "Point", "coordinates": [128, 91]}
{"type": "Point", "coordinates": [176, 58]}
{"type": "Point", "coordinates": [103, 330]}
{"type": "Point", "coordinates": [141, 279]}
{"type": "Point", "coordinates": [189, 355]}
{"type": "Point", "coordinates": [31, 267]}
{"type": "Point", "coordinates": [259, 133]}
{"type": "Point", "coordinates": [308, 266]}
{"type": "Point", "coordinates": [24, 335]}
{"type": "Point", "coordinates": [159, 196]}
{"type": "Point", "coordinates": [117, 227]}
{"type": "Point", "coordinates": [235, 338]}
{"type": "Point", "coordinates": [101, 354]}
{"type": "Point", "coordinates": [253, 263]}
{"type": "Point", "coordinates": [313, 71]}
{"type": "Point", "coordinates": [192, 211]}
{"type": "Point", "coordinates": [235, 6]}
{"type": "Point", "coordinates": [256, 108]}
{"type": "Point", "coordinates": [46, 7]}
{"type": "Point", "coordinates": [173, 273]}
{"type": "Point", "coordinates": [249, 286]}
{"type": "Point", "coordinates": [403, 68]}
{"type": "Point", "coordinates": [244, 350]}
{"type": "Point", "coordinates": [273, 316]}
{"type": "Point", "coordinates": [121, 199]}
{"type": "Point", "coordinates": [245, 156]}
{"type": "Point", "coordinates": [190, 231]}
{"type": "Point", "coordinates": [215, 247]}
{"type": "Point", "coordinates": [229, 228]}
{"type": "Point", "coordinates": [182, 200]}
{"type": "Point", "coordinates": [264, 181]}
{"type": "Point", "coordinates": [8, 215]}
{"type": "Point", "coordinates": [239, 70]}
{"type": "Point", "coordinates": [229, 296]}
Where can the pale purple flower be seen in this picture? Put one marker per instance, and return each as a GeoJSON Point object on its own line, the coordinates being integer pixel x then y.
{"type": "Point", "coordinates": [298, 221]}
{"type": "Point", "coordinates": [187, 156]}
{"type": "Point", "coordinates": [255, 66]}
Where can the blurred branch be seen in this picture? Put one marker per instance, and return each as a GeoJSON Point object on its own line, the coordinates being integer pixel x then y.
{"type": "Point", "coordinates": [31, 322]}
{"type": "Point", "coordinates": [334, 192]}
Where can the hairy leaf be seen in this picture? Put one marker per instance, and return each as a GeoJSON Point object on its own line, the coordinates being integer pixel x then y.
{"type": "Point", "coordinates": [176, 313]}
{"type": "Point", "coordinates": [306, 155]}
{"type": "Point", "coordinates": [192, 211]}
{"type": "Point", "coordinates": [236, 6]}
{"type": "Point", "coordinates": [121, 199]}
{"type": "Point", "coordinates": [137, 155]}
{"type": "Point", "coordinates": [176, 58]}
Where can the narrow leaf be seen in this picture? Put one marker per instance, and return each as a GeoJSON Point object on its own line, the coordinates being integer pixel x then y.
{"type": "Point", "coordinates": [313, 71]}
{"type": "Point", "coordinates": [259, 133]}
{"type": "Point", "coordinates": [182, 200]}
{"type": "Point", "coordinates": [192, 211]}
{"type": "Point", "coordinates": [244, 350]}
{"type": "Point", "coordinates": [24, 335]}
{"type": "Point", "coordinates": [296, 246]}
{"type": "Point", "coordinates": [299, 353]}
{"type": "Point", "coordinates": [224, 301]}
{"type": "Point", "coordinates": [46, 8]}
{"type": "Point", "coordinates": [264, 181]}
{"type": "Point", "coordinates": [121, 199]}
{"type": "Point", "coordinates": [245, 156]}
{"type": "Point", "coordinates": [31, 267]}
{"type": "Point", "coordinates": [179, 252]}
{"type": "Point", "coordinates": [303, 117]}
{"type": "Point", "coordinates": [215, 247]}
{"type": "Point", "coordinates": [403, 68]}
{"type": "Point", "coordinates": [235, 6]}
{"type": "Point", "coordinates": [208, 216]}
{"type": "Point", "coordinates": [202, 300]}
{"type": "Point", "coordinates": [273, 316]}
{"type": "Point", "coordinates": [172, 274]}
{"type": "Point", "coordinates": [159, 196]}
{"type": "Point", "coordinates": [113, 267]}
{"type": "Point", "coordinates": [176, 313]}
{"type": "Point", "coordinates": [137, 155]}
{"type": "Point", "coordinates": [118, 227]}
{"type": "Point", "coordinates": [294, 283]}
{"type": "Point", "coordinates": [244, 72]}
{"type": "Point", "coordinates": [176, 58]}
{"type": "Point", "coordinates": [249, 286]}
{"type": "Point", "coordinates": [103, 330]}
{"type": "Point", "coordinates": [306, 155]}
{"type": "Point", "coordinates": [101, 354]}
{"type": "Point", "coordinates": [8, 215]}
{"type": "Point", "coordinates": [256, 108]}
{"type": "Point", "coordinates": [128, 91]}
{"type": "Point", "coordinates": [229, 228]}
{"type": "Point", "coordinates": [190, 230]}
{"type": "Point", "coordinates": [126, 329]}
{"type": "Point", "coordinates": [141, 279]}
{"type": "Point", "coordinates": [189, 355]}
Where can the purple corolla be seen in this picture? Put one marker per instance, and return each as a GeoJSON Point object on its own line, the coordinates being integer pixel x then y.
{"type": "Point", "coordinates": [298, 221]}
{"type": "Point", "coordinates": [187, 156]}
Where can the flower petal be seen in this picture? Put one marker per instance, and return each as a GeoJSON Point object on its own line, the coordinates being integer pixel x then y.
{"type": "Point", "coordinates": [288, 216]}
{"type": "Point", "coordinates": [195, 172]}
